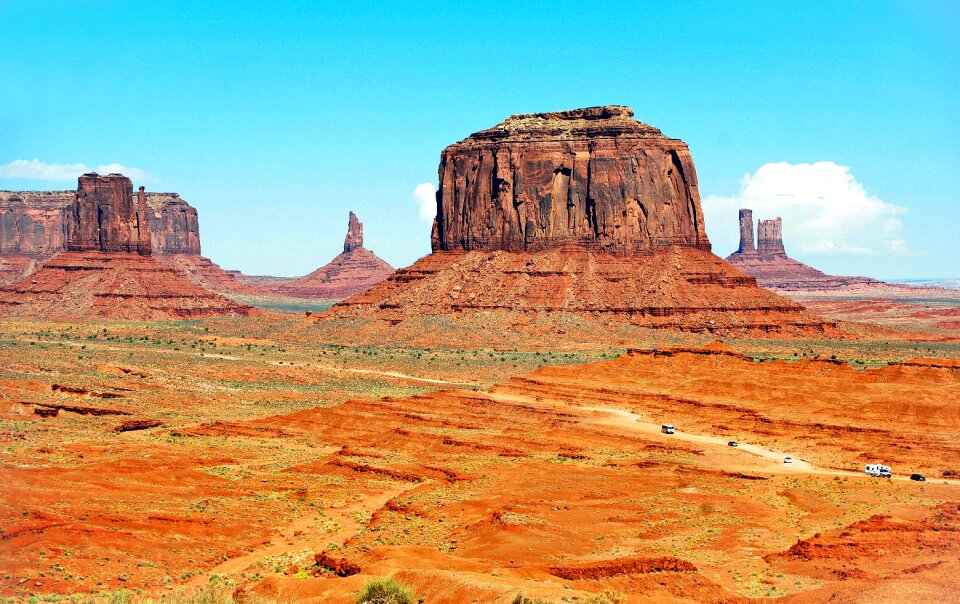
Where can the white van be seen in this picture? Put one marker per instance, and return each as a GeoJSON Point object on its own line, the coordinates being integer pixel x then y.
{"type": "Point", "coordinates": [667, 429]}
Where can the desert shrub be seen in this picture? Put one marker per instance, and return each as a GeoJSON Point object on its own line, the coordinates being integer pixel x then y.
{"type": "Point", "coordinates": [607, 597]}
{"type": "Point", "coordinates": [385, 591]}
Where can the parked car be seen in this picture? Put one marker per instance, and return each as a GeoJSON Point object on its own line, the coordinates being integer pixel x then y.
{"type": "Point", "coordinates": [918, 477]}
{"type": "Point", "coordinates": [787, 459]}
{"type": "Point", "coordinates": [732, 443]}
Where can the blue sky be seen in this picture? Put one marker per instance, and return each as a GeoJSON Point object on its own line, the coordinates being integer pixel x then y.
{"type": "Point", "coordinates": [276, 119]}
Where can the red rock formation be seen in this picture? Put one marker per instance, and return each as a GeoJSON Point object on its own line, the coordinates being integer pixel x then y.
{"type": "Point", "coordinates": [33, 227]}
{"type": "Point", "coordinates": [353, 271]}
{"type": "Point", "coordinates": [775, 270]}
{"type": "Point", "coordinates": [572, 217]}
{"type": "Point", "coordinates": [770, 237]}
{"type": "Point", "coordinates": [592, 177]}
{"type": "Point", "coordinates": [107, 270]}
{"type": "Point", "coordinates": [354, 238]}
{"type": "Point", "coordinates": [174, 226]}
{"type": "Point", "coordinates": [105, 217]}
{"type": "Point", "coordinates": [746, 232]}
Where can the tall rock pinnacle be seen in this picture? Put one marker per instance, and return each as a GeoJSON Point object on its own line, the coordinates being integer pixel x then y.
{"type": "Point", "coordinates": [594, 178]}
{"type": "Point", "coordinates": [746, 232]}
{"type": "Point", "coordinates": [354, 237]}
{"type": "Point", "coordinates": [106, 218]}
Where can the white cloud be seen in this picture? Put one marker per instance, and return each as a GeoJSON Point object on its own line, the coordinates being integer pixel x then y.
{"type": "Point", "coordinates": [35, 169]}
{"type": "Point", "coordinates": [824, 210]}
{"type": "Point", "coordinates": [425, 195]}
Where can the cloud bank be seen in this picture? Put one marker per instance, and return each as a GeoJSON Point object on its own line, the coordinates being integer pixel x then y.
{"type": "Point", "coordinates": [35, 169]}
{"type": "Point", "coordinates": [425, 195]}
{"type": "Point", "coordinates": [824, 210]}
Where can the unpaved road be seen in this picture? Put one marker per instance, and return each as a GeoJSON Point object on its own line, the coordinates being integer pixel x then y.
{"type": "Point", "coordinates": [627, 419]}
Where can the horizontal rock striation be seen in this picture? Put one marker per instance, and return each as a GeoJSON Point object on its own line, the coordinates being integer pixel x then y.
{"type": "Point", "coordinates": [592, 177]}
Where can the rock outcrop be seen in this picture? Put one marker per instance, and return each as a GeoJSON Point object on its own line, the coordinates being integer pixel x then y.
{"type": "Point", "coordinates": [594, 178]}
{"type": "Point", "coordinates": [106, 218]}
{"type": "Point", "coordinates": [775, 270]}
{"type": "Point", "coordinates": [570, 218]}
{"type": "Point", "coordinates": [107, 270]}
{"type": "Point", "coordinates": [354, 238]}
{"type": "Point", "coordinates": [351, 272]}
{"type": "Point", "coordinates": [746, 232]}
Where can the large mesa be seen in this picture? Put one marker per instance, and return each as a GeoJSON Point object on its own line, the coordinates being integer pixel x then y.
{"type": "Point", "coordinates": [584, 217]}
{"type": "Point", "coordinates": [107, 269]}
{"type": "Point", "coordinates": [594, 178]}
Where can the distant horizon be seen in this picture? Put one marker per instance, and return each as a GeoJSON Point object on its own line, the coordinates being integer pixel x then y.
{"type": "Point", "coordinates": [276, 121]}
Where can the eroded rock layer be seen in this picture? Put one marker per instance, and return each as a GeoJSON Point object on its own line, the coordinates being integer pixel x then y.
{"type": "Point", "coordinates": [105, 218]}
{"type": "Point", "coordinates": [127, 286]}
{"type": "Point", "coordinates": [676, 288]}
{"type": "Point", "coordinates": [594, 177]}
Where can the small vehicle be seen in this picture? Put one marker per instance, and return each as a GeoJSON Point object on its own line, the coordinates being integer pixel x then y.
{"type": "Point", "coordinates": [918, 477]}
{"type": "Point", "coordinates": [787, 459]}
{"type": "Point", "coordinates": [732, 443]}
{"type": "Point", "coordinates": [667, 429]}
{"type": "Point", "coordinates": [877, 470]}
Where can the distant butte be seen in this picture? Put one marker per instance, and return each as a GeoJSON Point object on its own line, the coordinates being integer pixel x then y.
{"type": "Point", "coordinates": [108, 270]}
{"type": "Point", "coordinates": [771, 266]}
{"type": "Point", "coordinates": [34, 225]}
{"type": "Point", "coordinates": [564, 217]}
{"type": "Point", "coordinates": [351, 272]}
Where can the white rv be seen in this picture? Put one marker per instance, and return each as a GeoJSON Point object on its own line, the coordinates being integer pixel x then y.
{"type": "Point", "coordinates": [667, 429]}
{"type": "Point", "coordinates": [877, 470]}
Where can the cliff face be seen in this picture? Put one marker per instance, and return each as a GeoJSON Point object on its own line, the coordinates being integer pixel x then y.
{"type": "Point", "coordinates": [34, 223]}
{"type": "Point", "coordinates": [594, 178]}
{"type": "Point", "coordinates": [33, 228]}
{"type": "Point", "coordinates": [771, 266]}
{"type": "Point", "coordinates": [174, 225]}
{"type": "Point", "coordinates": [106, 218]}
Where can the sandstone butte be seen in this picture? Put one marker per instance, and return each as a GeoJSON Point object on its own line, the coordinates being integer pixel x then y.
{"type": "Point", "coordinates": [573, 215]}
{"type": "Point", "coordinates": [773, 269]}
{"type": "Point", "coordinates": [33, 228]}
{"type": "Point", "coordinates": [351, 272]}
{"type": "Point", "coordinates": [107, 269]}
